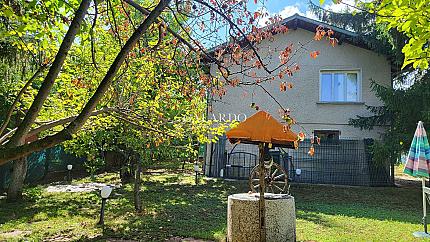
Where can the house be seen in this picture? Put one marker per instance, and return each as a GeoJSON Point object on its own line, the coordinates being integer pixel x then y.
{"type": "Point", "coordinates": [326, 93]}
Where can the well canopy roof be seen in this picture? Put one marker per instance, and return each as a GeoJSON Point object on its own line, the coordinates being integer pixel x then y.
{"type": "Point", "coordinates": [263, 128]}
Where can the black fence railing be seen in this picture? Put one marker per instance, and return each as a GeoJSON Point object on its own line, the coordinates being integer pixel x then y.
{"type": "Point", "coordinates": [346, 162]}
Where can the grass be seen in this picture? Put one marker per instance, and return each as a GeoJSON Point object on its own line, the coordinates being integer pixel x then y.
{"type": "Point", "coordinates": [175, 207]}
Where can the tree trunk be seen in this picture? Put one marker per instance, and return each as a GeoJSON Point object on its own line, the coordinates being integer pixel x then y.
{"type": "Point", "coordinates": [50, 78]}
{"type": "Point", "coordinates": [137, 182]}
{"type": "Point", "coordinates": [17, 180]}
{"type": "Point", "coordinates": [11, 153]}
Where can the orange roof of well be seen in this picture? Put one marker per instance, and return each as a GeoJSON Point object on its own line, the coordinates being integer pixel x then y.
{"type": "Point", "coordinates": [262, 128]}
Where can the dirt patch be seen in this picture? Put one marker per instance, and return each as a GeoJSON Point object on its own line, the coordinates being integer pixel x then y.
{"type": "Point", "coordinates": [14, 234]}
{"type": "Point", "coordinates": [179, 239]}
{"type": "Point", "coordinates": [120, 240]}
{"type": "Point", "coordinates": [84, 187]}
{"type": "Point", "coordinates": [407, 181]}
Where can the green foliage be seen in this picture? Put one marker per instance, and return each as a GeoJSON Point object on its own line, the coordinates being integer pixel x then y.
{"type": "Point", "coordinates": [410, 18]}
{"type": "Point", "coordinates": [402, 109]}
{"type": "Point", "coordinates": [159, 100]}
{"type": "Point", "coordinates": [35, 25]}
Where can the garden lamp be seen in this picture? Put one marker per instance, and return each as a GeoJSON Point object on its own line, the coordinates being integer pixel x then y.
{"type": "Point", "coordinates": [69, 173]}
{"type": "Point", "coordinates": [196, 170]}
{"type": "Point", "coordinates": [298, 172]}
{"type": "Point", "coordinates": [104, 193]}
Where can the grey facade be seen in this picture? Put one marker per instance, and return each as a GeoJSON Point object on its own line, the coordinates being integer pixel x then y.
{"type": "Point", "coordinates": [317, 106]}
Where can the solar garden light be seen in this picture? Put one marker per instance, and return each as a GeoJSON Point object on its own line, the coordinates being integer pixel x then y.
{"type": "Point", "coordinates": [104, 193]}
{"type": "Point", "coordinates": [69, 173]}
{"type": "Point", "coordinates": [298, 172]}
{"type": "Point", "coordinates": [196, 170]}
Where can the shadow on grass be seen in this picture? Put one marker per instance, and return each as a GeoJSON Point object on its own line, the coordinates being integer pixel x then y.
{"type": "Point", "coordinates": [173, 208]}
{"type": "Point", "coordinates": [377, 203]}
{"type": "Point", "coordinates": [50, 205]}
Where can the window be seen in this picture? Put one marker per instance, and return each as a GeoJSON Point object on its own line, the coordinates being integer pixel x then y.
{"type": "Point", "coordinates": [339, 86]}
{"type": "Point", "coordinates": [328, 136]}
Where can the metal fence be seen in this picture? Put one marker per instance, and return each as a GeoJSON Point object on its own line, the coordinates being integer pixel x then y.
{"type": "Point", "coordinates": [345, 162]}
{"type": "Point", "coordinates": [42, 165]}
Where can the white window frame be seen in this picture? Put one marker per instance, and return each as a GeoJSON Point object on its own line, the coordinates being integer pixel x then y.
{"type": "Point", "coordinates": [334, 71]}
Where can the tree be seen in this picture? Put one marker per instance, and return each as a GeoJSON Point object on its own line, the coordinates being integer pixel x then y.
{"type": "Point", "coordinates": [82, 68]}
{"type": "Point", "coordinates": [402, 109]}
{"type": "Point", "coordinates": [411, 19]}
{"type": "Point", "coordinates": [407, 17]}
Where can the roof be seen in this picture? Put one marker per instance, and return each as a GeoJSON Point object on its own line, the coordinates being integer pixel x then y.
{"type": "Point", "coordinates": [263, 128]}
{"type": "Point", "coordinates": [343, 35]}
{"type": "Point", "coordinates": [297, 21]}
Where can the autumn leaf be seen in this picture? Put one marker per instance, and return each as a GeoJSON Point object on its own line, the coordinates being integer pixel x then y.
{"type": "Point", "coordinates": [333, 42]}
{"type": "Point", "coordinates": [258, 64]}
{"type": "Point", "coordinates": [283, 87]}
{"type": "Point", "coordinates": [301, 136]}
{"type": "Point", "coordinates": [314, 54]}
{"type": "Point", "coordinates": [311, 151]}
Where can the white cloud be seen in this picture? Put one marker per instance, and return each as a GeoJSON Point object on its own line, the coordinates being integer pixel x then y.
{"type": "Point", "coordinates": [285, 13]}
{"type": "Point", "coordinates": [289, 11]}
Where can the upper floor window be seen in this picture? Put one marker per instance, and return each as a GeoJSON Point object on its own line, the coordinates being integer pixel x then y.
{"type": "Point", "coordinates": [340, 86]}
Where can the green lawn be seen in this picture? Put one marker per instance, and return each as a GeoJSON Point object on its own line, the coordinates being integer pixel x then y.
{"type": "Point", "coordinates": [175, 207]}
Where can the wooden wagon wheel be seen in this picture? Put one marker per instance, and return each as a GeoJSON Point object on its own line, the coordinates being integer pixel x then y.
{"type": "Point", "coordinates": [275, 179]}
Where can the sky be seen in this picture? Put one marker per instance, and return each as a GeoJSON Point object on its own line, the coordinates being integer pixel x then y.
{"type": "Point", "coordinates": [286, 8]}
{"type": "Point", "coordinates": [282, 8]}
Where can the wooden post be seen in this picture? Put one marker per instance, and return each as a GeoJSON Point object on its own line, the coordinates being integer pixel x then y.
{"type": "Point", "coordinates": [423, 181]}
{"type": "Point", "coordinates": [262, 209]}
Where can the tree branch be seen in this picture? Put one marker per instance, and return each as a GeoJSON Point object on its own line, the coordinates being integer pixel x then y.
{"type": "Point", "coordinates": [55, 123]}
{"type": "Point", "coordinates": [18, 97]}
{"type": "Point", "coordinates": [12, 153]}
{"type": "Point", "coordinates": [54, 70]}
{"type": "Point", "coordinates": [146, 12]}
{"type": "Point", "coordinates": [93, 48]}
{"type": "Point", "coordinates": [232, 24]}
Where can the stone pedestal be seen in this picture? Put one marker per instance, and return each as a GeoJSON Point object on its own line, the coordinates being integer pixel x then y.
{"type": "Point", "coordinates": [243, 219]}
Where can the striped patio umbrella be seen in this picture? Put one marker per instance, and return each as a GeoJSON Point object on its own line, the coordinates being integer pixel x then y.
{"type": "Point", "coordinates": [418, 162]}
{"type": "Point", "coordinates": [418, 165]}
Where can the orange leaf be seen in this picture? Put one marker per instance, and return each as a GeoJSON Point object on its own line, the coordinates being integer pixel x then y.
{"type": "Point", "coordinates": [282, 87]}
{"type": "Point", "coordinates": [314, 54]}
{"type": "Point", "coordinates": [301, 136]}
{"type": "Point", "coordinates": [333, 41]}
{"type": "Point", "coordinates": [311, 151]}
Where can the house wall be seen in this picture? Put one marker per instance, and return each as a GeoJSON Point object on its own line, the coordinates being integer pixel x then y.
{"type": "Point", "coordinates": [303, 99]}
